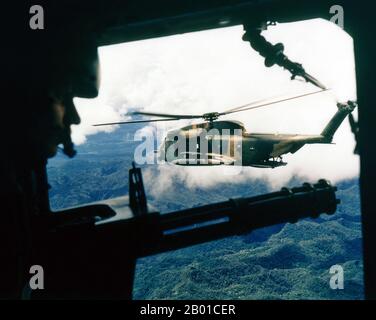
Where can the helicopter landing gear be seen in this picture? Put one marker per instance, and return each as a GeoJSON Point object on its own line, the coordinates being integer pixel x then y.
{"type": "Point", "coordinates": [276, 162]}
{"type": "Point", "coordinates": [270, 163]}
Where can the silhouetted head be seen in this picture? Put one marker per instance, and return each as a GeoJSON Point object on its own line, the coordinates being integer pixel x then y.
{"type": "Point", "coordinates": [58, 68]}
{"type": "Point", "coordinates": [74, 72]}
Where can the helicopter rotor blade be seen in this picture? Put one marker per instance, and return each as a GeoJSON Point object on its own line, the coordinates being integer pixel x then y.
{"type": "Point", "coordinates": [248, 104]}
{"type": "Point", "coordinates": [264, 103]}
{"type": "Point", "coordinates": [133, 121]}
{"type": "Point", "coordinates": [176, 116]}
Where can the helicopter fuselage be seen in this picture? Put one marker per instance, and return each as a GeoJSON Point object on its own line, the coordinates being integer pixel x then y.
{"type": "Point", "coordinates": [228, 143]}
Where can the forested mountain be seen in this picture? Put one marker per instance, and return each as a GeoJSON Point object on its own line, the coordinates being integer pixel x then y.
{"type": "Point", "coordinates": [290, 261]}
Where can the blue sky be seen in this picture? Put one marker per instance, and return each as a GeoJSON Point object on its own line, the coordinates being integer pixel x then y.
{"type": "Point", "coordinates": [215, 70]}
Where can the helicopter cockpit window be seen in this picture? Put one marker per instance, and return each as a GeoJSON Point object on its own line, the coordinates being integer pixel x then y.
{"type": "Point", "coordinates": [197, 80]}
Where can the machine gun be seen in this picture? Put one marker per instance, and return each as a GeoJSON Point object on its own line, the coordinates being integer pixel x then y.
{"type": "Point", "coordinates": [92, 250]}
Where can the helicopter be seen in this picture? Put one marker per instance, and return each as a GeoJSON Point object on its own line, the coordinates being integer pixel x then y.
{"type": "Point", "coordinates": [226, 142]}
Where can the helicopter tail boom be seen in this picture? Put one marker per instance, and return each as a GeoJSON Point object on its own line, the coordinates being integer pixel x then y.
{"type": "Point", "coordinates": [344, 109]}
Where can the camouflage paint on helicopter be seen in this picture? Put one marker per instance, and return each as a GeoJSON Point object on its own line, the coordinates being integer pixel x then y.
{"type": "Point", "coordinates": [227, 142]}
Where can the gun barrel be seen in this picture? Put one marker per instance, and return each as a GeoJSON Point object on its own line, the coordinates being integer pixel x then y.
{"type": "Point", "coordinates": [211, 222]}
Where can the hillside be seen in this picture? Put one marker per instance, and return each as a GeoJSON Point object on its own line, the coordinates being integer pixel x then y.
{"type": "Point", "coordinates": [290, 261]}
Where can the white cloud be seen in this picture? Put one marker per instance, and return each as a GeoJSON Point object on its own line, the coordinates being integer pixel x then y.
{"type": "Point", "coordinates": [215, 70]}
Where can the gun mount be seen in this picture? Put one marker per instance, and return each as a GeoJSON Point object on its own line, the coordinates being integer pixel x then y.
{"type": "Point", "coordinates": [111, 235]}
